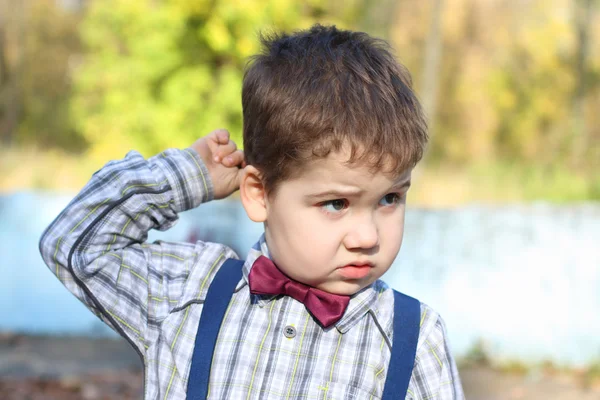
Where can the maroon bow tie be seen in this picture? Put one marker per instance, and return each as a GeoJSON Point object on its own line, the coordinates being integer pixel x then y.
{"type": "Point", "coordinates": [265, 278]}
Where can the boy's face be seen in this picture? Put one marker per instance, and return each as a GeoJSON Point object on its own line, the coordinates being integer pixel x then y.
{"type": "Point", "coordinates": [336, 227]}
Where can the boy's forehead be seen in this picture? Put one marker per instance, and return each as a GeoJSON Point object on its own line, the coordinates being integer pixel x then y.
{"type": "Point", "coordinates": [336, 170]}
{"type": "Point", "coordinates": [339, 162]}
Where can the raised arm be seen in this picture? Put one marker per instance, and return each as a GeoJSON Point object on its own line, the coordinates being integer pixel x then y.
{"type": "Point", "coordinates": [97, 248]}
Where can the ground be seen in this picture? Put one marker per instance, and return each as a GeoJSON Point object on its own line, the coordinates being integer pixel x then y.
{"type": "Point", "coordinates": [66, 368]}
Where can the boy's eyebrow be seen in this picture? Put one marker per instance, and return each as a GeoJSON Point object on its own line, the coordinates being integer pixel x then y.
{"type": "Point", "coordinates": [349, 192]}
{"type": "Point", "coordinates": [337, 193]}
{"type": "Point", "coordinates": [402, 184]}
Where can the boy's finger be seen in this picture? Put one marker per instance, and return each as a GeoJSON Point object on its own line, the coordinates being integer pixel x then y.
{"type": "Point", "coordinates": [215, 139]}
{"type": "Point", "coordinates": [236, 158]}
{"type": "Point", "coordinates": [224, 150]}
{"type": "Point", "coordinates": [221, 136]}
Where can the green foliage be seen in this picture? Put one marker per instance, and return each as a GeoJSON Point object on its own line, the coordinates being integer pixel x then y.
{"type": "Point", "coordinates": [160, 74]}
{"type": "Point", "coordinates": [38, 47]}
{"type": "Point", "coordinates": [531, 91]}
{"type": "Point", "coordinates": [507, 94]}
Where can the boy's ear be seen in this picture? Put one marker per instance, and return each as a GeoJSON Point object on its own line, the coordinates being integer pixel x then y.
{"type": "Point", "coordinates": [253, 194]}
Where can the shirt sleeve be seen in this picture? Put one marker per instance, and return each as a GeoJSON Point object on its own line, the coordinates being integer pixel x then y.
{"type": "Point", "coordinates": [435, 375]}
{"type": "Point", "coordinates": [96, 246]}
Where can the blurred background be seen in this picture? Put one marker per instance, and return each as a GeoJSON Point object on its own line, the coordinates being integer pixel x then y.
{"type": "Point", "coordinates": [504, 214]}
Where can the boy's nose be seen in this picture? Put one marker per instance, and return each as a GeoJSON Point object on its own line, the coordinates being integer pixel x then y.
{"type": "Point", "coordinates": [363, 235]}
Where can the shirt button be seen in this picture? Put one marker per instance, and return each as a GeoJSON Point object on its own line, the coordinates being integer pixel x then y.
{"type": "Point", "coordinates": [289, 331]}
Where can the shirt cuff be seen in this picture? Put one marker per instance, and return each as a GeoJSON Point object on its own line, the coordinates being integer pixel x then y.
{"type": "Point", "coordinates": [187, 176]}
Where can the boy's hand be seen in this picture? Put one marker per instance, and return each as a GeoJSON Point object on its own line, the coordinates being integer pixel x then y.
{"type": "Point", "coordinates": [223, 161]}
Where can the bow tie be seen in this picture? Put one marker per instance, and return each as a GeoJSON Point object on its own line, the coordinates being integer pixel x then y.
{"type": "Point", "coordinates": [266, 279]}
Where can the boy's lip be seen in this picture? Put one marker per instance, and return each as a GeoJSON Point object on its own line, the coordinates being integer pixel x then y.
{"type": "Point", "coordinates": [355, 270]}
{"type": "Point", "coordinates": [358, 264]}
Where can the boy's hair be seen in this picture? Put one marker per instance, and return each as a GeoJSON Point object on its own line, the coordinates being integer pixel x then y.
{"type": "Point", "coordinates": [312, 92]}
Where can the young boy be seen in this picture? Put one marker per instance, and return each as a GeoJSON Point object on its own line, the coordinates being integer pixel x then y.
{"type": "Point", "coordinates": [332, 131]}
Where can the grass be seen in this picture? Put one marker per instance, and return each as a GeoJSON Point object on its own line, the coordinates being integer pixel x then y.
{"type": "Point", "coordinates": [500, 182]}
{"type": "Point", "coordinates": [31, 168]}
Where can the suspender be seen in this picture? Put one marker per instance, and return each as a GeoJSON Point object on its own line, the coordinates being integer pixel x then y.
{"type": "Point", "coordinates": [219, 293]}
{"type": "Point", "coordinates": [407, 321]}
{"type": "Point", "coordinates": [407, 313]}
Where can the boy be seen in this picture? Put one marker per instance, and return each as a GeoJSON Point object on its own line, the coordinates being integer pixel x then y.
{"type": "Point", "coordinates": [332, 131]}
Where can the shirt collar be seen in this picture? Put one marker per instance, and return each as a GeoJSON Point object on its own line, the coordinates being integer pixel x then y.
{"type": "Point", "coordinates": [360, 304]}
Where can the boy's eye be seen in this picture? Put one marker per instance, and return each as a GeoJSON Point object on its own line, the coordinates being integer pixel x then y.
{"type": "Point", "coordinates": [336, 205]}
{"type": "Point", "coordinates": [390, 199]}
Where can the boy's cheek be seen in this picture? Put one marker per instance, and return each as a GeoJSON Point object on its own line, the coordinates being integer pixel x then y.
{"type": "Point", "coordinates": [392, 242]}
{"type": "Point", "coordinates": [299, 221]}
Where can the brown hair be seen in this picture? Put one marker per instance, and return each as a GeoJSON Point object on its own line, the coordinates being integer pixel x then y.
{"type": "Point", "coordinates": [312, 92]}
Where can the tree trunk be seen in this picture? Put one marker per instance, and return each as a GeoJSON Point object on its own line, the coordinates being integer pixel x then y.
{"type": "Point", "coordinates": [10, 98]}
{"type": "Point", "coordinates": [431, 67]}
{"type": "Point", "coordinates": [583, 11]}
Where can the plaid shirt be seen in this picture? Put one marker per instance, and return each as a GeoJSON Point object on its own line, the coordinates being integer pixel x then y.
{"type": "Point", "coordinates": [153, 295]}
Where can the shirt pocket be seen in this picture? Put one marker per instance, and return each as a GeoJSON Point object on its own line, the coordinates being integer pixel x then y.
{"type": "Point", "coordinates": [341, 391]}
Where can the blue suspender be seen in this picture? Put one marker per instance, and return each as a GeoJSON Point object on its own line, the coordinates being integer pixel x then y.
{"type": "Point", "coordinates": [407, 315]}
{"type": "Point", "coordinates": [217, 299]}
{"type": "Point", "coordinates": [407, 322]}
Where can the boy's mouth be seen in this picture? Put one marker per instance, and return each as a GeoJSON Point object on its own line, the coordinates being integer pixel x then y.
{"type": "Point", "coordinates": [355, 270]}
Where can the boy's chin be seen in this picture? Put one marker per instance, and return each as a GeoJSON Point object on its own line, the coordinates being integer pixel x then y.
{"type": "Point", "coordinates": [346, 288]}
